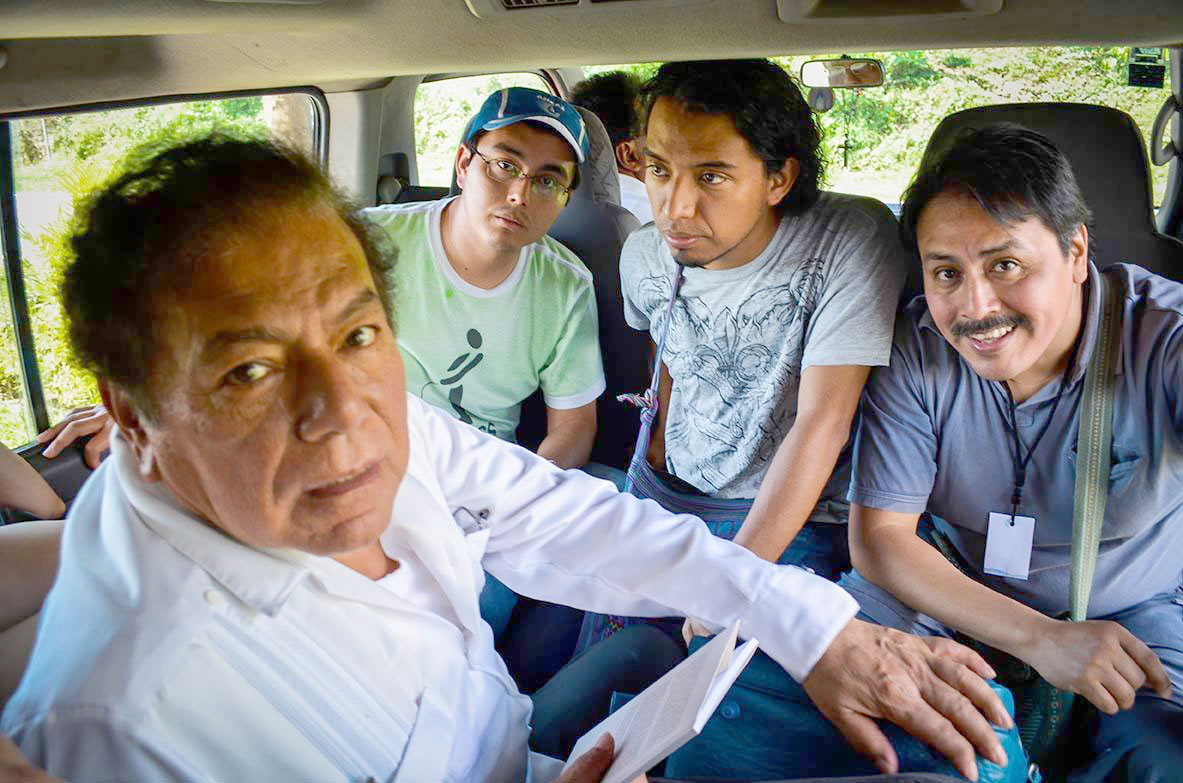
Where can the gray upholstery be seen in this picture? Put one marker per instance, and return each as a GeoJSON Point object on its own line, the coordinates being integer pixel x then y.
{"type": "Point", "coordinates": [1109, 159]}
{"type": "Point", "coordinates": [594, 226]}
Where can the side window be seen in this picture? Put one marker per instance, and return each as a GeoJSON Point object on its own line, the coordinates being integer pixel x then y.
{"type": "Point", "coordinates": [56, 159]}
{"type": "Point", "coordinates": [443, 107]}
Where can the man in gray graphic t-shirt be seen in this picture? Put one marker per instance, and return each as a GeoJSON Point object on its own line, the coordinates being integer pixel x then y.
{"type": "Point", "coordinates": [789, 298]}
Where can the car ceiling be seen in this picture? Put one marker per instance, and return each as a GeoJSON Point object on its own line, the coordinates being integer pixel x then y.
{"type": "Point", "coordinates": [68, 52]}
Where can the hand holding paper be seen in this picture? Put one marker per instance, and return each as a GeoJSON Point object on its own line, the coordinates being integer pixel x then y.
{"type": "Point", "coordinates": [670, 711]}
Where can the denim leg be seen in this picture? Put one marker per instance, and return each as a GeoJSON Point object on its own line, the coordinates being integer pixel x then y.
{"type": "Point", "coordinates": [1143, 744]}
{"type": "Point", "coordinates": [822, 547]}
{"type": "Point", "coordinates": [606, 472]}
{"type": "Point", "coordinates": [497, 602]}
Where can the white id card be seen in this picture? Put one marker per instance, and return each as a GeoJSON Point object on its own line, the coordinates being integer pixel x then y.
{"type": "Point", "coordinates": [1008, 545]}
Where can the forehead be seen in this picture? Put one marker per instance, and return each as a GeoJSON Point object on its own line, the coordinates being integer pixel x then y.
{"type": "Point", "coordinates": [673, 131]}
{"type": "Point", "coordinates": [953, 219]}
{"type": "Point", "coordinates": [284, 256]}
{"type": "Point", "coordinates": [533, 146]}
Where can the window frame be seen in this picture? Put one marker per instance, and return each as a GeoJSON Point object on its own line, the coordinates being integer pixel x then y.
{"type": "Point", "coordinates": [10, 226]}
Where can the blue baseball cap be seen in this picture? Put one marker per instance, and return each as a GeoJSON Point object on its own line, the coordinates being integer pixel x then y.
{"type": "Point", "coordinates": [517, 104]}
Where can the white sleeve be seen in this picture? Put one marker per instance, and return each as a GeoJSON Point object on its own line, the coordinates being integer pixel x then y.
{"type": "Point", "coordinates": [566, 537]}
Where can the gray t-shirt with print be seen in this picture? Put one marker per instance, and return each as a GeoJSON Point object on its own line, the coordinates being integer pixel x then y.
{"type": "Point", "coordinates": [824, 292]}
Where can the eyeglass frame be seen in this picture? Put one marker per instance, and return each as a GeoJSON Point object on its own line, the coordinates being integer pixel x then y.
{"type": "Point", "coordinates": [562, 193]}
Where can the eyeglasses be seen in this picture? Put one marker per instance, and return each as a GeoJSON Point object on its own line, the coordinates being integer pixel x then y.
{"type": "Point", "coordinates": [544, 186]}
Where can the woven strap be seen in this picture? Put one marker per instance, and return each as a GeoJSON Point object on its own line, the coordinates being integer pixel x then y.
{"type": "Point", "coordinates": [1093, 439]}
{"type": "Point", "coordinates": [650, 400]}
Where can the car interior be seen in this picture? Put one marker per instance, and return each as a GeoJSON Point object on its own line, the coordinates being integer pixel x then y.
{"type": "Point", "coordinates": [359, 65]}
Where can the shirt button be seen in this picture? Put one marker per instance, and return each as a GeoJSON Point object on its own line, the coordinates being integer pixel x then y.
{"type": "Point", "coordinates": [730, 710]}
{"type": "Point", "coordinates": [214, 598]}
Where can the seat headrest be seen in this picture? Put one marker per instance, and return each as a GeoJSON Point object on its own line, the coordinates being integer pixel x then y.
{"type": "Point", "coordinates": [1103, 145]}
{"type": "Point", "coordinates": [598, 180]}
{"type": "Point", "coordinates": [1109, 160]}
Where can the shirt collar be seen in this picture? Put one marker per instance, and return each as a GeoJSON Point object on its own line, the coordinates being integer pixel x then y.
{"type": "Point", "coordinates": [260, 578]}
{"type": "Point", "coordinates": [1088, 336]}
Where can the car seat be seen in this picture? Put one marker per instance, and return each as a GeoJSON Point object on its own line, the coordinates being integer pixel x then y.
{"type": "Point", "coordinates": [1109, 159]}
{"type": "Point", "coordinates": [594, 226]}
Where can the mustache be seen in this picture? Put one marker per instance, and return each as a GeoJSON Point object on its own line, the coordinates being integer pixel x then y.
{"type": "Point", "coordinates": [966, 328]}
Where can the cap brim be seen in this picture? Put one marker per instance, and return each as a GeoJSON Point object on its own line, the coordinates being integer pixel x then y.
{"type": "Point", "coordinates": [545, 119]}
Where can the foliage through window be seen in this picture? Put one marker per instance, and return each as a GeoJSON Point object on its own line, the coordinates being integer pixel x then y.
{"type": "Point", "coordinates": [60, 158]}
{"type": "Point", "coordinates": [874, 138]}
{"type": "Point", "coordinates": [444, 107]}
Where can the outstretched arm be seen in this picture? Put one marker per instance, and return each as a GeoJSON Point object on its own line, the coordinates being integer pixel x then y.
{"type": "Point", "coordinates": [1101, 661]}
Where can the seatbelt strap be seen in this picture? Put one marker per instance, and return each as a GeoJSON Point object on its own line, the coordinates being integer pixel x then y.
{"type": "Point", "coordinates": [1093, 440]}
{"type": "Point", "coordinates": [650, 401]}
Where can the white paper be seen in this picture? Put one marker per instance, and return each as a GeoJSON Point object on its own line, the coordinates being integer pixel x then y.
{"type": "Point", "coordinates": [672, 710]}
{"type": "Point", "coordinates": [1008, 545]}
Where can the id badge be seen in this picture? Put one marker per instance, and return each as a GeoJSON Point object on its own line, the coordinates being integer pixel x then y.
{"type": "Point", "coordinates": [1008, 545]}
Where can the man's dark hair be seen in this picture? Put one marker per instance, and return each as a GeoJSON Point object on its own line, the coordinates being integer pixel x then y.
{"type": "Point", "coordinates": [613, 98]}
{"type": "Point", "coordinates": [766, 106]}
{"type": "Point", "coordinates": [144, 235]}
{"type": "Point", "coordinates": [1012, 172]}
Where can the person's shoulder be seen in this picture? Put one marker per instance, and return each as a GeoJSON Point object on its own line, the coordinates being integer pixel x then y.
{"type": "Point", "coordinates": [554, 259]}
{"type": "Point", "coordinates": [394, 216]}
{"type": "Point", "coordinates": [1149, 292]}
{"type": "Point", "coordinates": [643, 247]}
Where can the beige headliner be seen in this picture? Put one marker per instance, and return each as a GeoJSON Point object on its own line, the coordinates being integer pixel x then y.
{"type": "Point", "coordinates": [63, 52]}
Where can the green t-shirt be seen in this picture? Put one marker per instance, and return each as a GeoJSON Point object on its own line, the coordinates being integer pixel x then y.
{"type": "Point", "coordinates": [479, 353]}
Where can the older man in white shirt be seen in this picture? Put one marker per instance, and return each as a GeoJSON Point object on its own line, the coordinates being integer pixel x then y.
{"type": "Point", "coordinates": [275, 575]}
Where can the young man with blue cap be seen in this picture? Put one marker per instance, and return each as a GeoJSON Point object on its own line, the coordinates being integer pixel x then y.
{"type": "Point", "coordinates": [490, 307]}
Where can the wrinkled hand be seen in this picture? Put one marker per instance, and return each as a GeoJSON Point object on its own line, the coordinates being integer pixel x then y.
{"type": "Point", "coordinates": [931, 687]}
{"type": "Point", "coordinates": [1098, 659]}
{"type": "Point", "coordinates": [79, 423]}
{"type": "Point", "coordinates": [14, 768]}
{"type": "Point", "coordinates": [591, 766]}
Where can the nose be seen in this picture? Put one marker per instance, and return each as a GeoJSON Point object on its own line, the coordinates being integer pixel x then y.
{"type": "Point", "coordinates": [980, 298]}
{"type": "Point", "coordinates": [681, 198]}
{"type": "Point", "coordinates": [518, 191]}
{"type": "Point", "coordinates": [328, 399]}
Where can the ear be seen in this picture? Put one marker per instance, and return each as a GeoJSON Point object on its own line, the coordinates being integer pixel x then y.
{"type": "Point", "coordinates": [131, 424]}
{"type": "Point", "coordinates": [464, 157]}
{"type": "Point", "coordinates": [781, 182]}
{"type": "Point", "coordinates": [1078, 254]}
{"type": "Point", "coordinates": [628, 159]}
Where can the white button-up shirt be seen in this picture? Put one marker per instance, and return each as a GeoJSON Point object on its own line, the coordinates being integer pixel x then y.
{"type": "Point", "coordinates": [169, 651]}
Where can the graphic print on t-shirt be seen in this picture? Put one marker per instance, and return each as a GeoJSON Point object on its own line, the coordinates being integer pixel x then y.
{"type": "Point", "coordinates": [729, 373]}
{"type": "Point", "coordinates": [461, 366]}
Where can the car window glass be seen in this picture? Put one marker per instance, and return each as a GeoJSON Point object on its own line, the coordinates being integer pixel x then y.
{"type": "Point", "coordinates": [58, 158]}
{"type": "Point", "coordinates": [874, 138]}
{"type": "Point", "coordinates": [442, 109]}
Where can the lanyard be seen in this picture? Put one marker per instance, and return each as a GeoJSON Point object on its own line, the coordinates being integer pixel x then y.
{"type": "Point", "coordinates": [1021, 462]}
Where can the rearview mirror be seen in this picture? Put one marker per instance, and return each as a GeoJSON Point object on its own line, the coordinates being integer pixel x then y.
{"type": "Point", "coordinates": [842, 73]}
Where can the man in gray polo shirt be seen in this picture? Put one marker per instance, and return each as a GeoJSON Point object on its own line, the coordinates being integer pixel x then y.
{"type": "Point", "coordinates": [975, 420]}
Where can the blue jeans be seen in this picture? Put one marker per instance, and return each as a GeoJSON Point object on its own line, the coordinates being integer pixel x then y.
{"type": "Point", "coordinates": [1140, 745]}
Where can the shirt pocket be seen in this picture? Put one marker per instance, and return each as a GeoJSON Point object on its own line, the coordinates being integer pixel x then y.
{"type": "Point", "coordinates": [474, 524]}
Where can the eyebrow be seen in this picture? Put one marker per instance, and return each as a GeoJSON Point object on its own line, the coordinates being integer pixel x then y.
{"type": "Point", "coordinates": [707, 164]}
{"type": "Point", "coordinates": [517, 153]}
{"type": "Point", "coordinates": [225, 339]}
{"type": "Point", "coordinates": [986, 251]}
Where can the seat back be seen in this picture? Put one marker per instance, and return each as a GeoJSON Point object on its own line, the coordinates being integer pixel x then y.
{"type": "Point", "coordinates": [1109, 160]}
{"type": "Point", "coordinates": [594, 226]}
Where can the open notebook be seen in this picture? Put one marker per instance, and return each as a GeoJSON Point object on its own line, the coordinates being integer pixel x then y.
{"type": "Point", "coordinates": [672, 710]}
